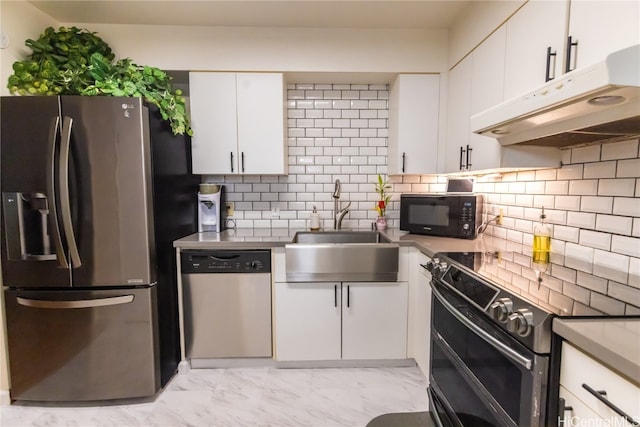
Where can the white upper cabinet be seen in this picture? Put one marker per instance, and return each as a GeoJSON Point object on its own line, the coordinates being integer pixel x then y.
{"type": "Point", "coordinates": [238, 123]}
{"type": "Point", "coordinates": [534, 46]}
{"type": "Point", "coordinates": [414, 101]}
{"type": "Point", "coordinates": [474, 85]}
{"type": "Point", "coordinates": [601, 27]}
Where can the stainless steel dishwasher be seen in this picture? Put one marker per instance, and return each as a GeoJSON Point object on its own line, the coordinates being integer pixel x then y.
{"type": "Point", "coordinates": [227, 304]}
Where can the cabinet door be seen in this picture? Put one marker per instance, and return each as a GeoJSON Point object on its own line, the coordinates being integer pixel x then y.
{"type": "Point", "coordinates": [458, 114]}
{"type": "Point", "coordinates": [420, 313]}
{"type": "Point", "coordinates": [374, 320]}
{"type": "Point", "coordinates": [261, 124]}
{"type": "Point", "coordinates": [307, 321]}
{"type": "Point", "coordinates": [487, 85]}
{"type": "Point", "coordinates": [414, 101]}
{"type": "Point", "coordinates": [213, 119]}
{"type": "Point", "coordinates": [602, 27]}
{"type": "Point", "coordinates": [538, 25]}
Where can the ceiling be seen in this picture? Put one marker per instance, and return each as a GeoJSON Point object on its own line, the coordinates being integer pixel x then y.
{"type": "Point", "coordinates": [385, 14]}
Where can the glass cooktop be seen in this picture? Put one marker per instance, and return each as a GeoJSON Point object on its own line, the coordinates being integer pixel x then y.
{"type": "Point", "coordinates": [564, 286]}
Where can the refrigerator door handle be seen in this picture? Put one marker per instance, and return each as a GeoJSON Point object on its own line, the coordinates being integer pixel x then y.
{"type": "Point", "coordinates": [85, 303]}
{"type": "Point", "coordinates": [51, 192]}
{"type": "Point", "coordinates": [65, 204]}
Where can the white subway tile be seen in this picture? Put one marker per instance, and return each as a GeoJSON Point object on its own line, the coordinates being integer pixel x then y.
{"type": "Point", "coordinates": [606, 304]}
{"type": "Point", "coordinates": [620, 150]}
{"type": "Point", "coordinates": [611, 266]}
{"type": "Point", "coordinates": [516, 187]}
{"type": "Point", "coordinates": [597, 204]}
{"type": "Point", "coordinates": [596, 240]}
{"type": "Point", "coordinates": [331, 94]}
{"type": "Point", "coordinates": [585, 154]}
{"type": "Point", "coordinates": [581, 220]}
{"type": "Point", "coordinates": [624, 293]}
{"type": "Point", "coordinates": [564, 273]}
{"type": "Point", "coordinates": [535, 187]}
{"type": "Point", "coordinates": [614, 224]}
{"type": "Point", "coordinates": [568, 234]}
{"type": "Point", "coordinates": [628, 168]}
{"type": "Point", "coordinates": [557, 187]}
{"type": "Point", "coordinates": [542, 175]}
{"type": "Point", "coordinates": [350, 94]}
{"type": "Point", "coordinates": [586, 187]}
{"type": "Point", "coordinates": [570, 171]}
{"type": "Point", "coordinates": [578, 257]}
{"type": "Point", "coordinates": [616, 187]}
{"type": "Point", "coordinates": [592, 282]}
{"type": "Point", "coordinates": [626, 206]}
{"type": "Point", "coordinates": [524, 199]}
{"type": "Point", "coordinates": [567, 203]}
{"type": "Point", "coordinates": [331, 114]}
{"type": "Point", "coordinates": [359, 105]}
{"type": "Point", "coordinates": [600, 170]}
{"type": "Point", "coordinates": [625, 245]}
{"type": "Point", "coordinates": [635, 231]}
{"type": "Point", "coordinates": [634, 273]}
{"type": "Point", "coordinates": [544, 201]}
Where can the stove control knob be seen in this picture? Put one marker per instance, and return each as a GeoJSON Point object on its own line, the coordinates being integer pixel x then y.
{"type": "Point", "coordinates": [520, 321]}
{"type": "Point", "coordinates": [501, 309]}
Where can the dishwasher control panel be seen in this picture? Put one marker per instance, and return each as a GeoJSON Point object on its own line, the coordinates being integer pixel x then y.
{"type": "Point", "coordinates": [225, 261]}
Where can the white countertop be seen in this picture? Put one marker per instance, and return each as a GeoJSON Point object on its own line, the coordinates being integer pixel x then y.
{"type": "Point", "coordinates": [260, 238]}
{"type": "Point", "coordinates": [615, 342]}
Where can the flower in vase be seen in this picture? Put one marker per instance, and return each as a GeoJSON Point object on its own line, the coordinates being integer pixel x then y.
{"type": "Point", "coordinates": [381, 188]}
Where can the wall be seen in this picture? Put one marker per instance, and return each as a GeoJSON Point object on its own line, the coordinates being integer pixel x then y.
{"type": "Point", "coordinates": [278, 49]}
{"type": "Point", "coordinates": [21, 21]}
{"type": "Point", "coordinates": [593, 206]}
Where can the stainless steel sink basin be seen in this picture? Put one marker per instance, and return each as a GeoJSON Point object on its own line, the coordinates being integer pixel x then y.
{"type": "Point", "coordinates": [341, 256]}
{"type": "Point", "coordinates": [339, 237]}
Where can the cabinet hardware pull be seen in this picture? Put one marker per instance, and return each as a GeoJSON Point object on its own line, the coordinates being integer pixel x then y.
{"type": "Point", "coordinates": [548, 76]}
{"type": "Point", "coordinates": [403, 161]}
{"type": "Point", "coordinates": [562, 408]}
{"type": "Point", "coordinates": [335, 295]}
{"type": "Point", "coordinates": [462, 151]}
{"type": "Point", "coordinates": [570, 45]}
{"type": "Point", "coordinates": [242, 158]}
{"type": "Point", "coordinates": [469, 150]}
{"type": "Point", "coordinates": [348, 297]}
{"type": "Point", "coordinates": [600, 396]}
{"type": "Point", "coordinates": [231, 161]}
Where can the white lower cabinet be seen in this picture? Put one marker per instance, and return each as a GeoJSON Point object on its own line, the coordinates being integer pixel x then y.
{"type": "Point", "coordinates": [333, 321]}
{"type": "Point", "coordinates": [374, 320]}
{"type": "Point", "coordinates": [419, 311]}
{"type": "Point", "coordinates": [578, 373]}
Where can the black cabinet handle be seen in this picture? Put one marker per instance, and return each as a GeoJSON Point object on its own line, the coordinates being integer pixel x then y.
{"type": "Point", "coordinates": [469, 150]}
{"type": "Point", "coordinates": [231, 161]}
{"type": "Point", "coordinates": [348, 297]}
{"type": "Point", "coordinates": [462, 151]}
{"type": "Point", "coordinates": [335, 295]}
{"type": "Point", "coordinates": [562, 408]}
{"type": "Point", "coordinates": [600, 395]}
{"type": "Point", "coordinates": [403, 161]}
{"type": "Point", "coordinates": [548, 76]}
{"type": "Point", "coordinates": [570, 45]}
{"type": "Point", "coordinates": [242, 160]}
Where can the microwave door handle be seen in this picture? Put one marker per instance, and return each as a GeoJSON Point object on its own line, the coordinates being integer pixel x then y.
{"type": "Point", "coordinates": [52, 196]}
{"type": "Point", "coordinates": [502, 348]}
{"type": "Point", "coordinates": [65, 204]}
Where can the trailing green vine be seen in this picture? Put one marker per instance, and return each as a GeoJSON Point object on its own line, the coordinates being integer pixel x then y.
{"type": "Point", "coordinates": [72, 61]}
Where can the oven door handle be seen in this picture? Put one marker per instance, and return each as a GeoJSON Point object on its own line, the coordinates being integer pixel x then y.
{"type": "Point", "coordinates": [501, 347]}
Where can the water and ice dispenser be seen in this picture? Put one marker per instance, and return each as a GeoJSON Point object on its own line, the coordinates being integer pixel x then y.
{"type": "Point", "coordinates": [26, 217]}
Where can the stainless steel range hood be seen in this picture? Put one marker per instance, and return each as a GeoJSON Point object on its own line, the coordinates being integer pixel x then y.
{"type": "Point", "coordinates": [595, 103]}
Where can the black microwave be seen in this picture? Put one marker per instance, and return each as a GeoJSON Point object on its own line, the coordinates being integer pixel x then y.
{"type": "Point", "coordinates": [449, 215]}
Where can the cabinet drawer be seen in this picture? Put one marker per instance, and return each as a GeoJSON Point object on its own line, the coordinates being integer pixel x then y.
{"type": "Point", "coordinates": [577, 369]}
{"type": "Point", "coordinates": [579, 411]}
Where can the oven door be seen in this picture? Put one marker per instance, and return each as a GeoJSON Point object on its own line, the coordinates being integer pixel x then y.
{"type": "Point", "coordinates": [479, 374]}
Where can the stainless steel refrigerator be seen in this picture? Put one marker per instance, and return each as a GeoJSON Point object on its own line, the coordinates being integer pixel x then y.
{"type": "Point", "coordinates": [94, 191]}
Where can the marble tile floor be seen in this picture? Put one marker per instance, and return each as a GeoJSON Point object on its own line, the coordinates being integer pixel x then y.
{"type": "Point", "coordinates": [256, 397]}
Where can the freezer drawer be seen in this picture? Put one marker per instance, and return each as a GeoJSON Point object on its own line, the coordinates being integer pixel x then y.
{"type": "Point", "coordinates": [79, 345]}
{"type": "Point", "coordinates": [227, 315]}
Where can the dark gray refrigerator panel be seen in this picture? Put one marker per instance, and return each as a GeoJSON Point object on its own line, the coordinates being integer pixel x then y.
{"type": "Point", "coordinates": [97, 345]}
{"type": "Point", "coordinates": [33, 250]}
{"type": "Point", "coordinates": [110, 190]}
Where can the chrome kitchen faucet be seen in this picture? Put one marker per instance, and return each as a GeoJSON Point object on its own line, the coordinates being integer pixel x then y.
{"type": "Point", "coordinates": [338, 214]}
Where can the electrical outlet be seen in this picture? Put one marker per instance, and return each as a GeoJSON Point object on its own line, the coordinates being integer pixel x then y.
{"type": "Point", "coordinates": [499, 218]}
{"type": "Point", "coordinates": [275, 212]}
{"type": "Point", "coordinates": [230, 208]}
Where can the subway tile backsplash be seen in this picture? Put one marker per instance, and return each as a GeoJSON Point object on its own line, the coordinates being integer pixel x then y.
{"type": "Point", "coordinates": [340, 131]}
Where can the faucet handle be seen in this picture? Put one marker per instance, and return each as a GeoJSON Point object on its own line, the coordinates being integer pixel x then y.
{"type": "Point", "coordinates": [346, 208]}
